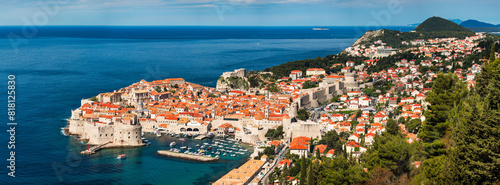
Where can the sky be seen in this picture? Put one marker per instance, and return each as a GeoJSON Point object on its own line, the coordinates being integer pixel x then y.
{"type": "Point", "coordinates": [243, 12]}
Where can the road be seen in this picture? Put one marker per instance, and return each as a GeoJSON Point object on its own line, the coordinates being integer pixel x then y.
{"type": "Point", "coordinates": [265, 179]}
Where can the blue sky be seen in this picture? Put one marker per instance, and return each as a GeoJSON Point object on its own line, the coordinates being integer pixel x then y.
{"type": "Point", "coordinates": [243, 12]}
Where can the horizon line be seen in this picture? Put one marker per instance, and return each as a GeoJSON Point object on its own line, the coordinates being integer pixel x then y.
{"type": "Point", "coordinates": [217, 25]}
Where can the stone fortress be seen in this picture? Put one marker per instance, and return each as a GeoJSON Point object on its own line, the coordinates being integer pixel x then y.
{"type": "Point", "coordinates": [119, 131]}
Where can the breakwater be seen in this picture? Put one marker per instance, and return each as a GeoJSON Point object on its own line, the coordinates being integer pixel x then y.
{"type": "Point", "coordinates": [187, 156]}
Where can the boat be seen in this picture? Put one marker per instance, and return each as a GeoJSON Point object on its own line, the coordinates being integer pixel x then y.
{"type": "Point", "coordinates": [209, 148]}
{"type": "Point", "coordinates": [189, 148]}
{"type": "Point", "coordinates": [172, 144]}
{"type": "Point", "coordinates": [224, 154]}
{"type": "Point", "coordinates": [183, 147]}
{"type": "Point", "coordinates": [197, 145]}
{"type": "Point", "coordinates": [203, 146]}
{"type": "Point", "coordinates": [181, 140]}
{"type": "Point", "coordinates": [158, 134]}
{"type": "Point", "coordinates": [321, 29]}
{"type": "Point", "coordinates": [122, 156]}
{"type": "Point", "coordinates": [232, 155]}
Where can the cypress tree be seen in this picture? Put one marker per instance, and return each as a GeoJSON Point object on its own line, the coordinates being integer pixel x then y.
{"type": "Point", "coordinates": [303, 171]}
{"type": "Point", "coordinates": [492, 52]}
{"type": "Point", "coordinates": [311, 175]}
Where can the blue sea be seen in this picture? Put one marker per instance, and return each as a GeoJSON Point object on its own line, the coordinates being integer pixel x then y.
{"type": "Point", "coordinates": [55, 67]}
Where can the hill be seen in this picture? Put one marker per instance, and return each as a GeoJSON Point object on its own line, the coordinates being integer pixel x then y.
{"type": "Point", "coordinates": [439, 27]}
{"type": "Point", "coordinates": [476, 23]}
{"type": "Point", "coordinates": [479, 26]}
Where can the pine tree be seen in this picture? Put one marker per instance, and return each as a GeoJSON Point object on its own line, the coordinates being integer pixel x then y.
{"type": "Point", "coordinates": [392, 127]}
{"type": "Point", "coordinates": [318, 156]}
{"type": "Point", "coordinates": [477, 154]}
{"type": "Point", "coordinates": [447, 91]}
{"type": "Point", "coordinates": [303, 171]}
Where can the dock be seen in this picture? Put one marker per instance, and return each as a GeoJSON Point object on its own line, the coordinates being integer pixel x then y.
{"type": "Point", "coordinates": [200, 137]}
{"type": "Point", "coordinates": [93, 149]}
{"type": "Point", "coordinates": [187, 156]}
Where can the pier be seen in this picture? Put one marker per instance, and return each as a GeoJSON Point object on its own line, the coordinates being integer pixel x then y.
{"type": "Point", "coordinates": [187, 156]}
{"type": "Point", "coordinates": [93, 149]}
{"type": "Point", "coordinates": [200, 137]}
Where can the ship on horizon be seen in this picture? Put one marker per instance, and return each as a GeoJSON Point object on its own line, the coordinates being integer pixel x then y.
{"type": "Point", "coordinates": [321, 28]}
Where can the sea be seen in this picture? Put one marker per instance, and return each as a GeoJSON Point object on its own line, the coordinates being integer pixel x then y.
{"type": "Point", "coordinates": [56, 66]}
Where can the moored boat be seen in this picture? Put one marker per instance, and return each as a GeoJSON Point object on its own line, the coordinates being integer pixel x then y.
{"type": "Point", "coordinates": [122, 156]}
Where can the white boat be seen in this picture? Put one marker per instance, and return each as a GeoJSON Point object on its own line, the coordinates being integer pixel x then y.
{"type": "Point", "coordinates": [183, 147]}
{"type": "Point", "coordinates": [122, 156]}
{"type": "Point", "coordinates": [172, 144]}
{"type": "Point", "coordinates": [158, 134]}
{"type": "Point", "coordinates": [224, 154]}
{"type": "Point", "coordinates": [321, 29]}
{"type": "Point", "coordinates": [232, 155]}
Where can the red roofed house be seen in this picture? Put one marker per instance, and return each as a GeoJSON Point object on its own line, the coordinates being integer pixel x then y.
{"type": "Point", "coordinates": [321, 149]}
{"type": "Point", "coordinates": [354, 137]}
{"type": "Point", "coordinates": [300, 146]}
{"type": "Point", "coordinates": [284, 162]}
{"type": "Point", "coordinates": [330, 153]}
{"type": "Point", "coordinates": [354, 147]}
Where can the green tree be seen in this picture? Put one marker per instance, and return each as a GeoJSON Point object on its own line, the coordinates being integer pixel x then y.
{"type": "Point", "coordinates": [392, 127]}
{"type": "Point", "coordinates": [332, 141]}
{"type": "Point", "coordinates": [93, 98]}
{"type": "Point", "coordinates": [390, 151]}
{"type": "Point", "coordinates": [368, 91]}
{"type": "Point", "coordinates": [413, 124]}
{"type": "Point", "coordinates": [308, 84]}
{"type": "Point", "coordinates": [492, 53]}
{"type": "Point", "coordinates": [303, 171]}
{"type": "Point", "coordinates": [477, 134]}
{"type": "Point", "coordinates": [446, 92]}
{"type": "Point", "coordinates": [302, 114]}
{"type": "Point", "coordinates": [311, 179]}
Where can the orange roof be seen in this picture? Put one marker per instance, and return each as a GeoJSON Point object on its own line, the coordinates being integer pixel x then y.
{"type": "Point", "coordinates": [331, 151]}
{"type": "Point", "coordinates": [352, 144]}
{"type": "Point", "coordinates": [300, 143]}
{"type": "Point", "coordinates": [321, 148]}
